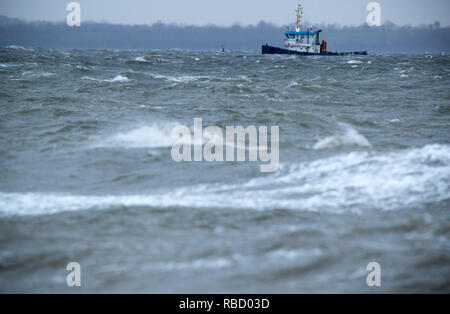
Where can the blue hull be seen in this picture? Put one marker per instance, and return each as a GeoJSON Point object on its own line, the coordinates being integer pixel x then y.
{"type": "Point", "coordinates": [266, 49]}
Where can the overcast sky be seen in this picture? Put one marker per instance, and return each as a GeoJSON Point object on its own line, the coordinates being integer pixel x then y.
{"type": "Point", "coordinates": [228, 12]}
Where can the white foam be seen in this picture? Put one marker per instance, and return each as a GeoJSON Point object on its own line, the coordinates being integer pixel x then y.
{"type": "Point", "coordinates": [353, 182]}
{"type": "Point", "coordinates": [194, 78]}
{"type": "Point", "coordinates": [180, 79]}
{"type": "Point", "coordinates": [156, 135]}
{"type": "Point", "coordinates": [118, 78]}
{"type": "Point", "coordinates": [80, 67]}
{"type": "Point", "coordinates": [354, 62]}
{"type": "Point", "coordinates": [48, 74]}
{"type": "Point", "coordinates": [294, 84]}
{"type": "Point", "coordinates": [34, 75]}
{"type": "Point", "coordinates": [90, 78]}
{"type": "Point", "coordinates": [17, 47]}
{"type": "Point", "coordinates": [149, 136]}
{"type": "Point", "coordinates": [140, 59]}
{"type": "Point", "coordinates": [196, 264]}
{"type": "Point", "coordinates": [350, 137]}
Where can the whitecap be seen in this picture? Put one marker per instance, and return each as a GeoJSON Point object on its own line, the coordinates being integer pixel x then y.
{"type": "Point", "coordinates": [194, 78]}
{"type": "Point", "coordinates": [155, 135]}
{"type": "Point", "coordinates": [80, 67]}
{"type": "Point", "coordinates": [354, 62]}
{"type": "Point", "coordinates": [16, 47]}
{"type": "Point", "coordinates": [140, 59]}
{"type": "Point", "coordinates": [199, 264]}
{"type": "Point", "coordinates": [350, 137]}
{"type": "Point", "coordinates": [351, 182]}
{"type": "Point", "coordinates": [118, 78]}
{"type": "Point", "coordinates": [32, 75]}
{"type": "Point", "coordinates": [90, 78]}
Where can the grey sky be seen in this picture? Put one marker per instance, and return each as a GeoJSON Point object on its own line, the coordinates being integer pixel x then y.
{"type": "Point", "coordinates": [227, 12]}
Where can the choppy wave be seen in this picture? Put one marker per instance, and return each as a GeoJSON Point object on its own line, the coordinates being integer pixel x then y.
{"type": "Point", "coordinates": [140, 59]}
{"type": "Point", "coordinates": [95, 153]}
{"type": "Point", "coordinates": [34, 76]}
{"type": "Point", "coordinates": [356, 182]}
{"type": "Point", "coordinates": [117, 78]}
{"type": "Point", "coordinates": [80, 68]}
{"type": "Point", "coordinates": [354, 62]}
{"type": "Point", "coordinates": [196, 78]}
{"type": "Point", "coordinates": [17, 47]}
{"type": "Point", "coordinates": [155, 135]}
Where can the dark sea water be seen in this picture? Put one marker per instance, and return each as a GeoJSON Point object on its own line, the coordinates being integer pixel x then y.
{"type": "Point", "coordinates": [86, 173]}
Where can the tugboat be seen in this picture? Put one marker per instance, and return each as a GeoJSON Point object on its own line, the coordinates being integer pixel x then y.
{"type": "Point", "coordinates": [305, 42]}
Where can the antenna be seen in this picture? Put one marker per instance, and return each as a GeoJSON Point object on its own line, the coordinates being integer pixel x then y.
{"type": "Point", "coordinates": [299, 16]}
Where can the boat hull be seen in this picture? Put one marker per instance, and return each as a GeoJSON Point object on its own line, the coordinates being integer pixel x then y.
{"type": "Point", "coordinates": [266, 49]}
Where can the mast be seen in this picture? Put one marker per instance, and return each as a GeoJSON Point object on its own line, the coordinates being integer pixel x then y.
{"type": "Point", "coordinates": [299, 15]}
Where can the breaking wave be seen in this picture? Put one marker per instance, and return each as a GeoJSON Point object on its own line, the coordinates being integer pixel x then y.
{"type": "Point", "coordinates": [354, 182]}
{"type": "Point", "coordinates": [17, 47]}
{"type": "Point", "coordinates": [34, 76]}
{"type": "Point", "coordinates": [354, 62]}
{"type": "Point", "coordinates": [157, 135]}
{"type": "Point", "coordinates": [350, 137]}
{"type": "Point", "coordinates": [198, 78]}
{"type": "Point", "coordinates": [118, 78]}
{"type": "Point", "coordinates": [149, 136]}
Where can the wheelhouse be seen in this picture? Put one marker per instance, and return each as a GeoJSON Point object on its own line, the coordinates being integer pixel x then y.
{"type": "Point", "coordinates": [303, 37]}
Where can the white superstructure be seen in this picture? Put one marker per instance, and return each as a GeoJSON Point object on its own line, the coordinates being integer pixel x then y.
{"type": "Point", "coordinates": [303, 40]}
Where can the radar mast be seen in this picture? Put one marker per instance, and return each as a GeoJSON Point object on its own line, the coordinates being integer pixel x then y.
{"type": "Point", "coordinates": [299, 16]}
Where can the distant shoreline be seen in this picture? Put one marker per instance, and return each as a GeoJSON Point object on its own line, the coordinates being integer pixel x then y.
{"type": "Point", "coordinates": [389, 38]}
